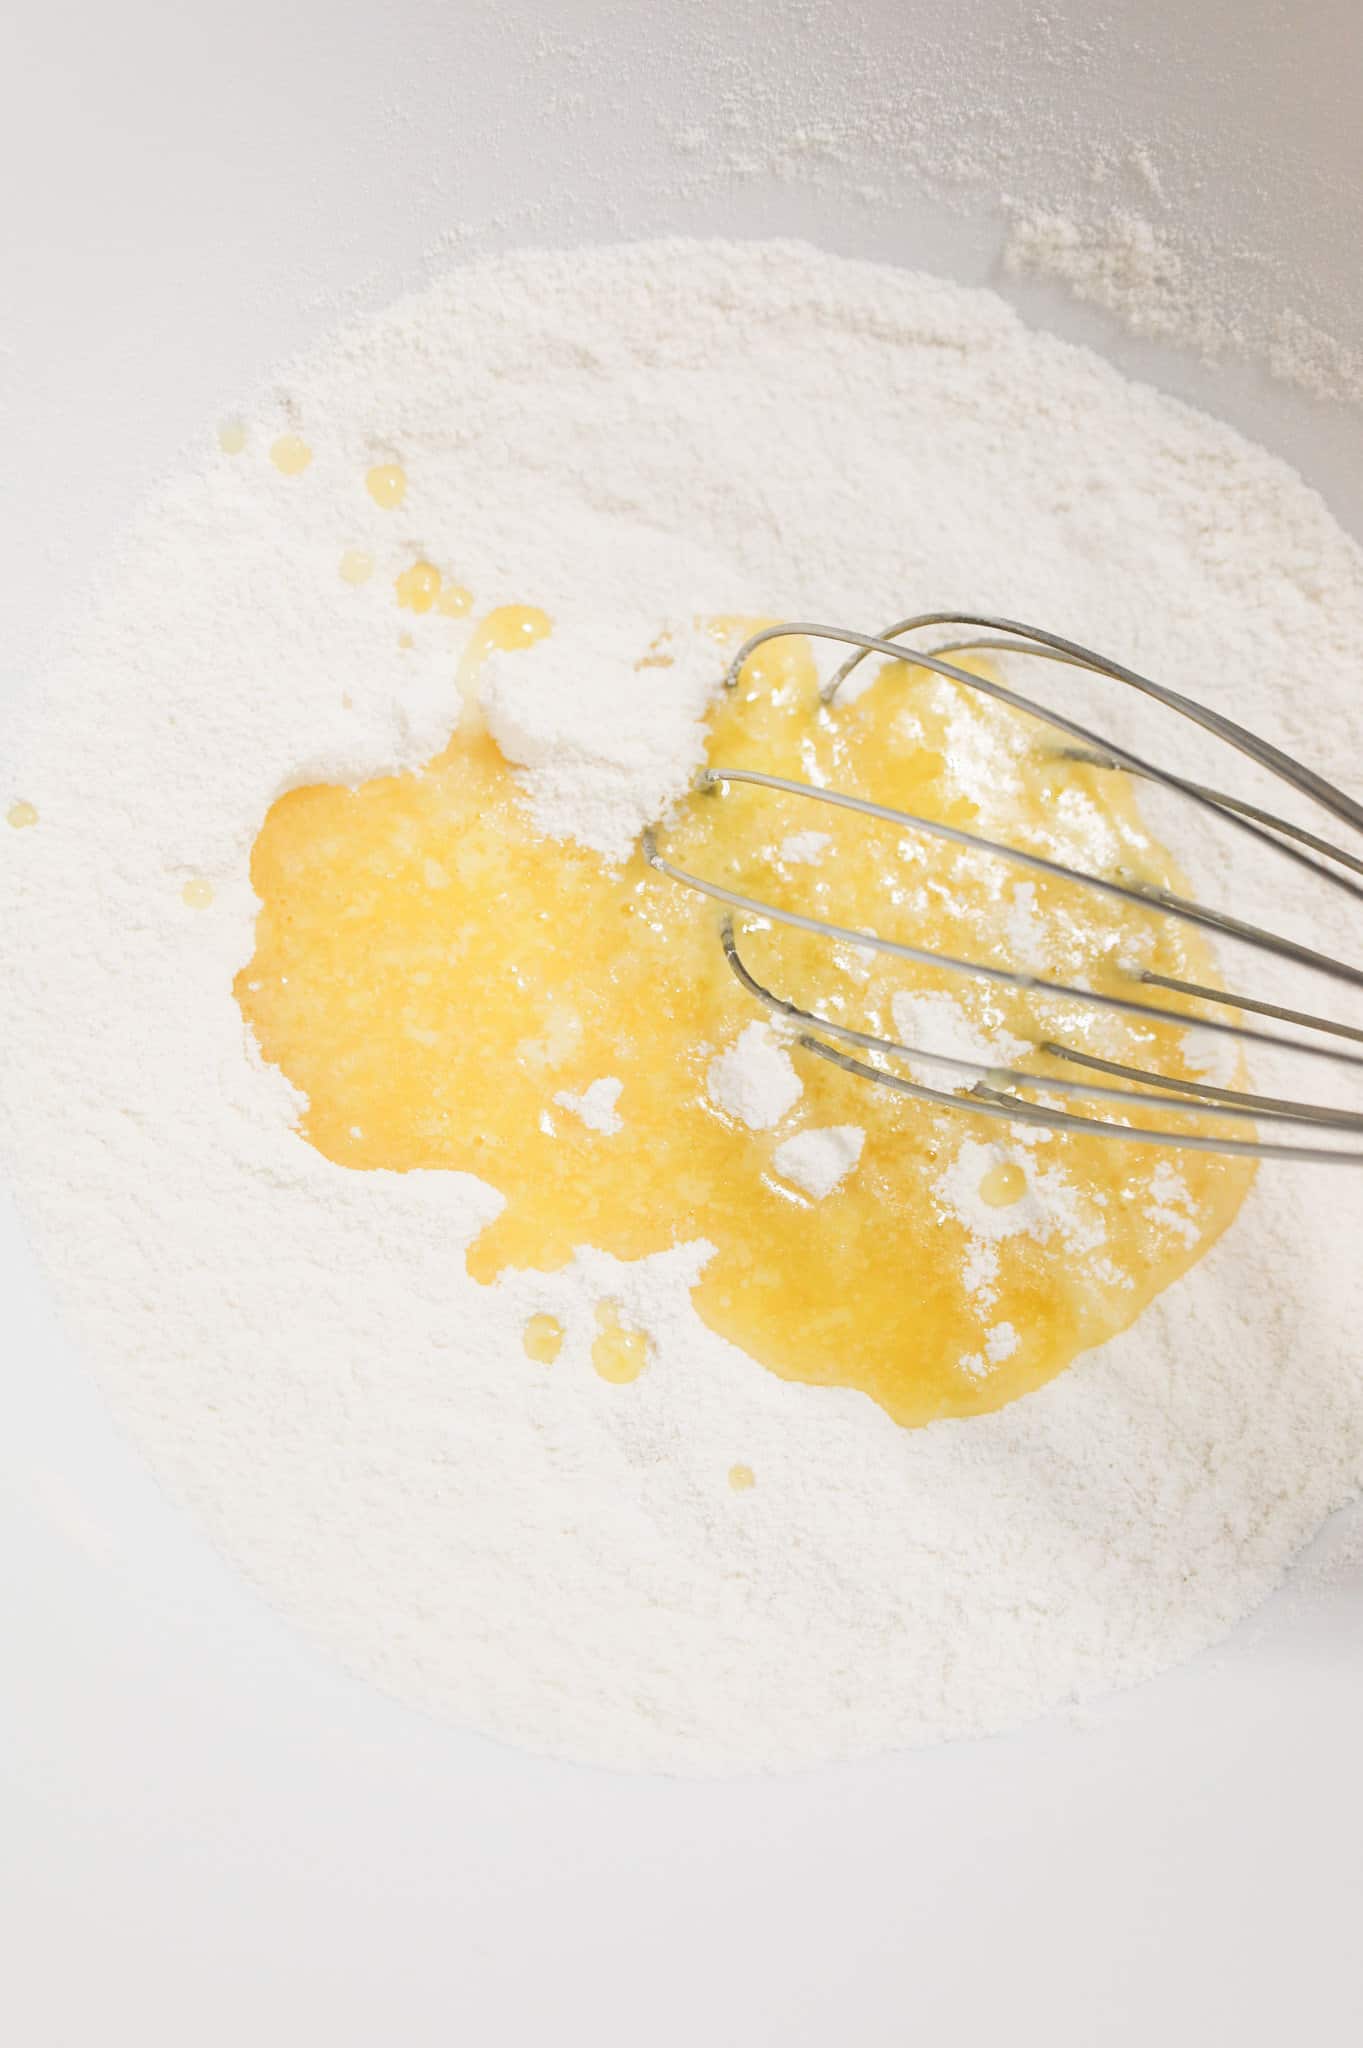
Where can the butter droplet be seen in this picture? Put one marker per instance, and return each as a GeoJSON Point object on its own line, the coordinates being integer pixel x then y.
{"type": "Point", "coordinates": [1003, 1185]}
{"type": "Point", "coordinates": [290, 455]}
{"type": "Point", "coordinates": [386, 484]}
{"type": "Point", "coordinates": [197, 893]}
{"type": "Point", "coordinates": [231, 437]}
{"type": "Point", "coordinates": [21, 814]}
{"type": "Point", "coordinates": [741, 1477]}
{"type": "Point", "coordinates": [543, 1339]}
{"type": "Point", "coordinates": [356, 566]}
{"type": "Point", "coordinates": [619, 1354]}
{"type": "Point", "coordinates": [515, 625]}
{"type": "Point", "coordinates": [418, 587]}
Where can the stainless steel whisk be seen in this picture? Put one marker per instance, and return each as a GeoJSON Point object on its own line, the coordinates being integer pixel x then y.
{"type": "Point", "coordinates": [993, 1092]}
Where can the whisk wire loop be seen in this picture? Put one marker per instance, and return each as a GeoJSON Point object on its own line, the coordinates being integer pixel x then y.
{"type": "Point", "coordinates": [1135, 1093]}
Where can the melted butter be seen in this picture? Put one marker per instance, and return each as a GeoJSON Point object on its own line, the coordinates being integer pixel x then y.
{"type": "Point", "coordinates": [543, 1338]}
{"type": "Point", "coordinates": [197, 894]}
{"type": "Point", "coordinates": [418, 587]}
{"type": "Point", "coordinates": [430, 973]}
{"type": "Point", "coordinates": [742, 1477]}
{"type": "Point", "coordinates": [454, 601]}
{"type": "Point", "coordinates": [386, 484]}
{"type": "Point", "coordinates": [231, 437]}
{"type": "Point", "coordinates": [508, 627]}
{"type": "Point", "coordinates": [619, 1353]}
{"type": "Point", "coordinates": [290, 455]}
{"type": "Point", "coordinates": [357, 566]}
{"type": "Point", "coordinates": [21, 815]}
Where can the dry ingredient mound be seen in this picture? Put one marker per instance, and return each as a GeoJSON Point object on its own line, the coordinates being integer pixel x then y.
{"type": "Point", "coordinates": [634, 437]}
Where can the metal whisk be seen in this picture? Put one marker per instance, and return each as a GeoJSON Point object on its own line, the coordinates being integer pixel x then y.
{"type": "Point", "coordinates": [994, 1091]}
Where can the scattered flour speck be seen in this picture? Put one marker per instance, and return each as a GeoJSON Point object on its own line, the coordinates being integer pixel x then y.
{"type": "Point", "coordinates": [805, 849]}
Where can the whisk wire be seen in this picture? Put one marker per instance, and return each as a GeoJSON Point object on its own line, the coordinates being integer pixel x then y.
{"type": "Point", "coordinates": [1253, 745]}
{"type": "Point", "coordinates": [981, 970]}
{"type": "Point", "coordinates": [1074, 656]}
{"type": "Point", "coordinates": [1137, 1092]}
{"type": "Point", "coordinates": [1220, 1103]}
{"type": "Point", "coordinates": [1144, 899]}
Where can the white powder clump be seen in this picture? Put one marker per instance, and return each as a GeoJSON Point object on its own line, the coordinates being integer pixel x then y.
{"type": "Point", "coordinates": [604, 720]}
{"type": "Point", "coordinates": [542, 1555]}
{"type": "Point", "coordinates": [595, 1106]}
{"type": "Point", "coordinates": [1049, 1207]}
{"type": "Point", "coordinates": [755, 1080]}
{"type": "Point", "coordinates": [1025, 932]}
{"type": "Point", "coordinates": [980, 1272]}
{"type": "Point", "coordinates": [805, 849]}
{"type": "Point", "coordinates": [819, 1161]}
{"type": "Point", "coordinates": [932, 1021]}
{"type": "Point", "coordinates": [999, 1344]}
{"type": "Point", "coordinates": [958, 1187]}
{"type": "Point", "coordinates": [982, 755]}
{"type": "Point", "coordinates": [1136, 269]}
{"type": "Point", "coordinates": [1170, 1205]}
{"type": "Point", "coordinates": [1122, 263]}
{"type": "Point", "coordinates": [1212, 1055]}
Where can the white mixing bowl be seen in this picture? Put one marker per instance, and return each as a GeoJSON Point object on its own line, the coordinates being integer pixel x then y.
{"type": "Point", "coordinates": [207, 1834]}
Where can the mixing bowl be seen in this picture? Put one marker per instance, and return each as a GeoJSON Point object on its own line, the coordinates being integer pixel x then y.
{"type": "Point", "coordinates": [206, 1831]}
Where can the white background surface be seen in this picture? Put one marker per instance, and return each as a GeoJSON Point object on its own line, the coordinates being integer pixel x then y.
{"type": "Point", "coordinates": [208, 1835]}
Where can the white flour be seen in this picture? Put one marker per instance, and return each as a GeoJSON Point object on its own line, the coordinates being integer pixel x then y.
{"type": "Point", "coordinates": [595, 1106]}
{"type": "Point", "coordinates": [819, 1160]}
{"type": "Point", "coordinates": [631, 438]}
{"type": "Point", "coordinates": [601, 758]}
{"type": "Point", "coordinates": [1135, 269]}
{"type": "Point", "coordinates": [754, 1080]}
